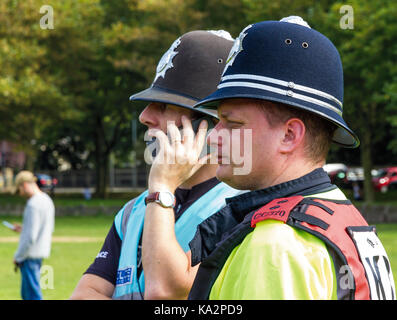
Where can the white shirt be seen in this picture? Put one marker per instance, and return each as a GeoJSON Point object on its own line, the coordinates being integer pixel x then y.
{"type": "Point", "coordinates": [37, 228]}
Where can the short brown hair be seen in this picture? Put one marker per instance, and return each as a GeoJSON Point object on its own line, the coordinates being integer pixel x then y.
{"type": "Point", "coordinates": [319, 132]}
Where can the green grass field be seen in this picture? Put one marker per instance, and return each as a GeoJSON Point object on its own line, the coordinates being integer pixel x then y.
{"type": "Point", "coordinates": [73, 200]}
{"type": "Point", "coordinates": [77, 240]}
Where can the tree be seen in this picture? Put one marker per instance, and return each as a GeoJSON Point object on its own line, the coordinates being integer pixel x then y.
{"type": "Point", "coordinates": [30, 99]}
{"type": "Point", "coordinates": [66, 89]}
{"type": "Point", "coordinates": [367, 51]}
{"type": "Point", "coordinates": [94, 76]}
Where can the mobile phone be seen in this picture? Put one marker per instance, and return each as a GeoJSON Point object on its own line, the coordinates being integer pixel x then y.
{"type": "Point", "coordinates": [211, 124]}
{"type": "Point", "coordinates": [196, 123]}
{"type": "Point", "coordinates": [8, 225]}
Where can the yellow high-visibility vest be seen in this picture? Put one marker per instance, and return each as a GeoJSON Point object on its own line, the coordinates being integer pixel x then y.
{"type": "Point", "coordinates": [277, 261]}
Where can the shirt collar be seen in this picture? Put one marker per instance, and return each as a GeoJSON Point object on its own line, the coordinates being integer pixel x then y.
{"type": "Point", "coordinates": [308, 184]}
{"type": "Point", "coordinates": [196, 191]}
{"type": "Point", "coordinates": [185, 197]}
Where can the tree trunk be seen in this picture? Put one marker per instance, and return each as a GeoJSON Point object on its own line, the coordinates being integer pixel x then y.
{"type": "Point", "coordinates": [366, 161]}
{"type": "Point", "coordinates": [103, 149]}
{"type": "Point", "coordinates": [30, 158]}
{"type": "Point", "coordinates": [29, 163]}
{"type": "Point", "coordinates": [101, 161]}
{"type": "Point", "coordinates": [102, 175]}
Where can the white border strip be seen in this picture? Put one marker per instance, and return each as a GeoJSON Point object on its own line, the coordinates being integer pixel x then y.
{"type": "Point", "coordinates": [290, 85]}
{"type": "Point", "coordinates": [280, 91]}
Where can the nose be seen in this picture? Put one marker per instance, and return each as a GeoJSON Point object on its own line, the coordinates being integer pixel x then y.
{"type": "Point", "coordinates": [148, 116]}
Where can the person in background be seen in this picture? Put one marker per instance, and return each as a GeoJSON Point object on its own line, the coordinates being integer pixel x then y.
{"type": "Point", "coordinates": [357, 191]}
{"type": "Point", "coordinates": [36, 232]}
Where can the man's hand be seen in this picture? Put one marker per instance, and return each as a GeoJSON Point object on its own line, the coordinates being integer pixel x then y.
{"type": "Point", "coordinates": [16, 266]}
{"type": "Point", "coordinates": [168, 270]}
{"type": "Point", "coordinates": [178, 158]}
{"type": "Point", "coordinates": [17, 227]}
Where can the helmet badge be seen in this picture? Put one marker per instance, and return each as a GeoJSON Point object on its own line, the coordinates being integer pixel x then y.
{"type": "Point", "coordinates": [165, 62]}
{"type": "Point", "coordinates": [236, 49]}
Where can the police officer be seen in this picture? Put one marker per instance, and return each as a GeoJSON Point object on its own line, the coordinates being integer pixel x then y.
{"type": "Point", "coordinates": [187, 72]}
{"type": "Point", "coordinates": [295, 235]}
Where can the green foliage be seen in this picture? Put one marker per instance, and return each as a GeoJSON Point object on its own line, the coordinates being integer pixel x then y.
{"type": "Point", "coordinates": [368, 52]}
{"type": "Point", "coordinates": [30, 99]}
{"type": "Point", "coordinates": [64, 91]}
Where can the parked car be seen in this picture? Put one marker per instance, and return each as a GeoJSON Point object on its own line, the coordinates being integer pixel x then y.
{"type": "Point", "coordinates": [46, 182]}
{"type": "Point", "coordinates": [385, 179]}
{"type": "Point", "coordinates": [355, 175]}
{"type": "Point", "coordinates": [337, 172]}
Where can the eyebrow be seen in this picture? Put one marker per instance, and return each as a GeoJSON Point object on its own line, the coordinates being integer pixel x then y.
{"type": "Point", "coordinates": [225, 114]}
{"type": "Point", "coordinates": [229, 116]}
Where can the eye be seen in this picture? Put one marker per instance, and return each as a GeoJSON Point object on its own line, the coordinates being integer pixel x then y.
{"type": "Point", "coordinates": [162, 107]}
{"type": "Point", "coordinates": [234, 124]}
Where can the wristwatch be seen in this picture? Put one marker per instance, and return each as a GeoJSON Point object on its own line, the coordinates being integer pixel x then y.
{"type": "Point", "coordinates": [166, 199]}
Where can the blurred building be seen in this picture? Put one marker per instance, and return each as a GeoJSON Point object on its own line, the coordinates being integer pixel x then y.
{"type": "Point", "coordinates": [10, 159]}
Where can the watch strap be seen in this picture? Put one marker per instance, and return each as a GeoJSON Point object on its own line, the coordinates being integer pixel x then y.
{"type": "Point", "coordinates": [152, 197]}
{"type": "Point", "coordinates": [155, 197]}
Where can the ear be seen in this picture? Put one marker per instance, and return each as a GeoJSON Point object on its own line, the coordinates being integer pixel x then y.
{"type": "Point", "coordinates": [293, 135]}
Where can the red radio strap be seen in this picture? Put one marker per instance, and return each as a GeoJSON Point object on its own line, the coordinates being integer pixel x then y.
{"type": "Point", "coordinates": [278, 209]}
{"type": "Point", "coordinates": [327, 220]}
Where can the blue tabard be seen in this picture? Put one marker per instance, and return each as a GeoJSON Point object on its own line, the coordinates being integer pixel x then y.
{"type": "Point", "coordinates": [127, 285]}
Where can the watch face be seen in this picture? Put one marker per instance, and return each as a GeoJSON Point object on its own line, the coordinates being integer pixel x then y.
{"type": "Point", "coordinates": [166, 199]}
